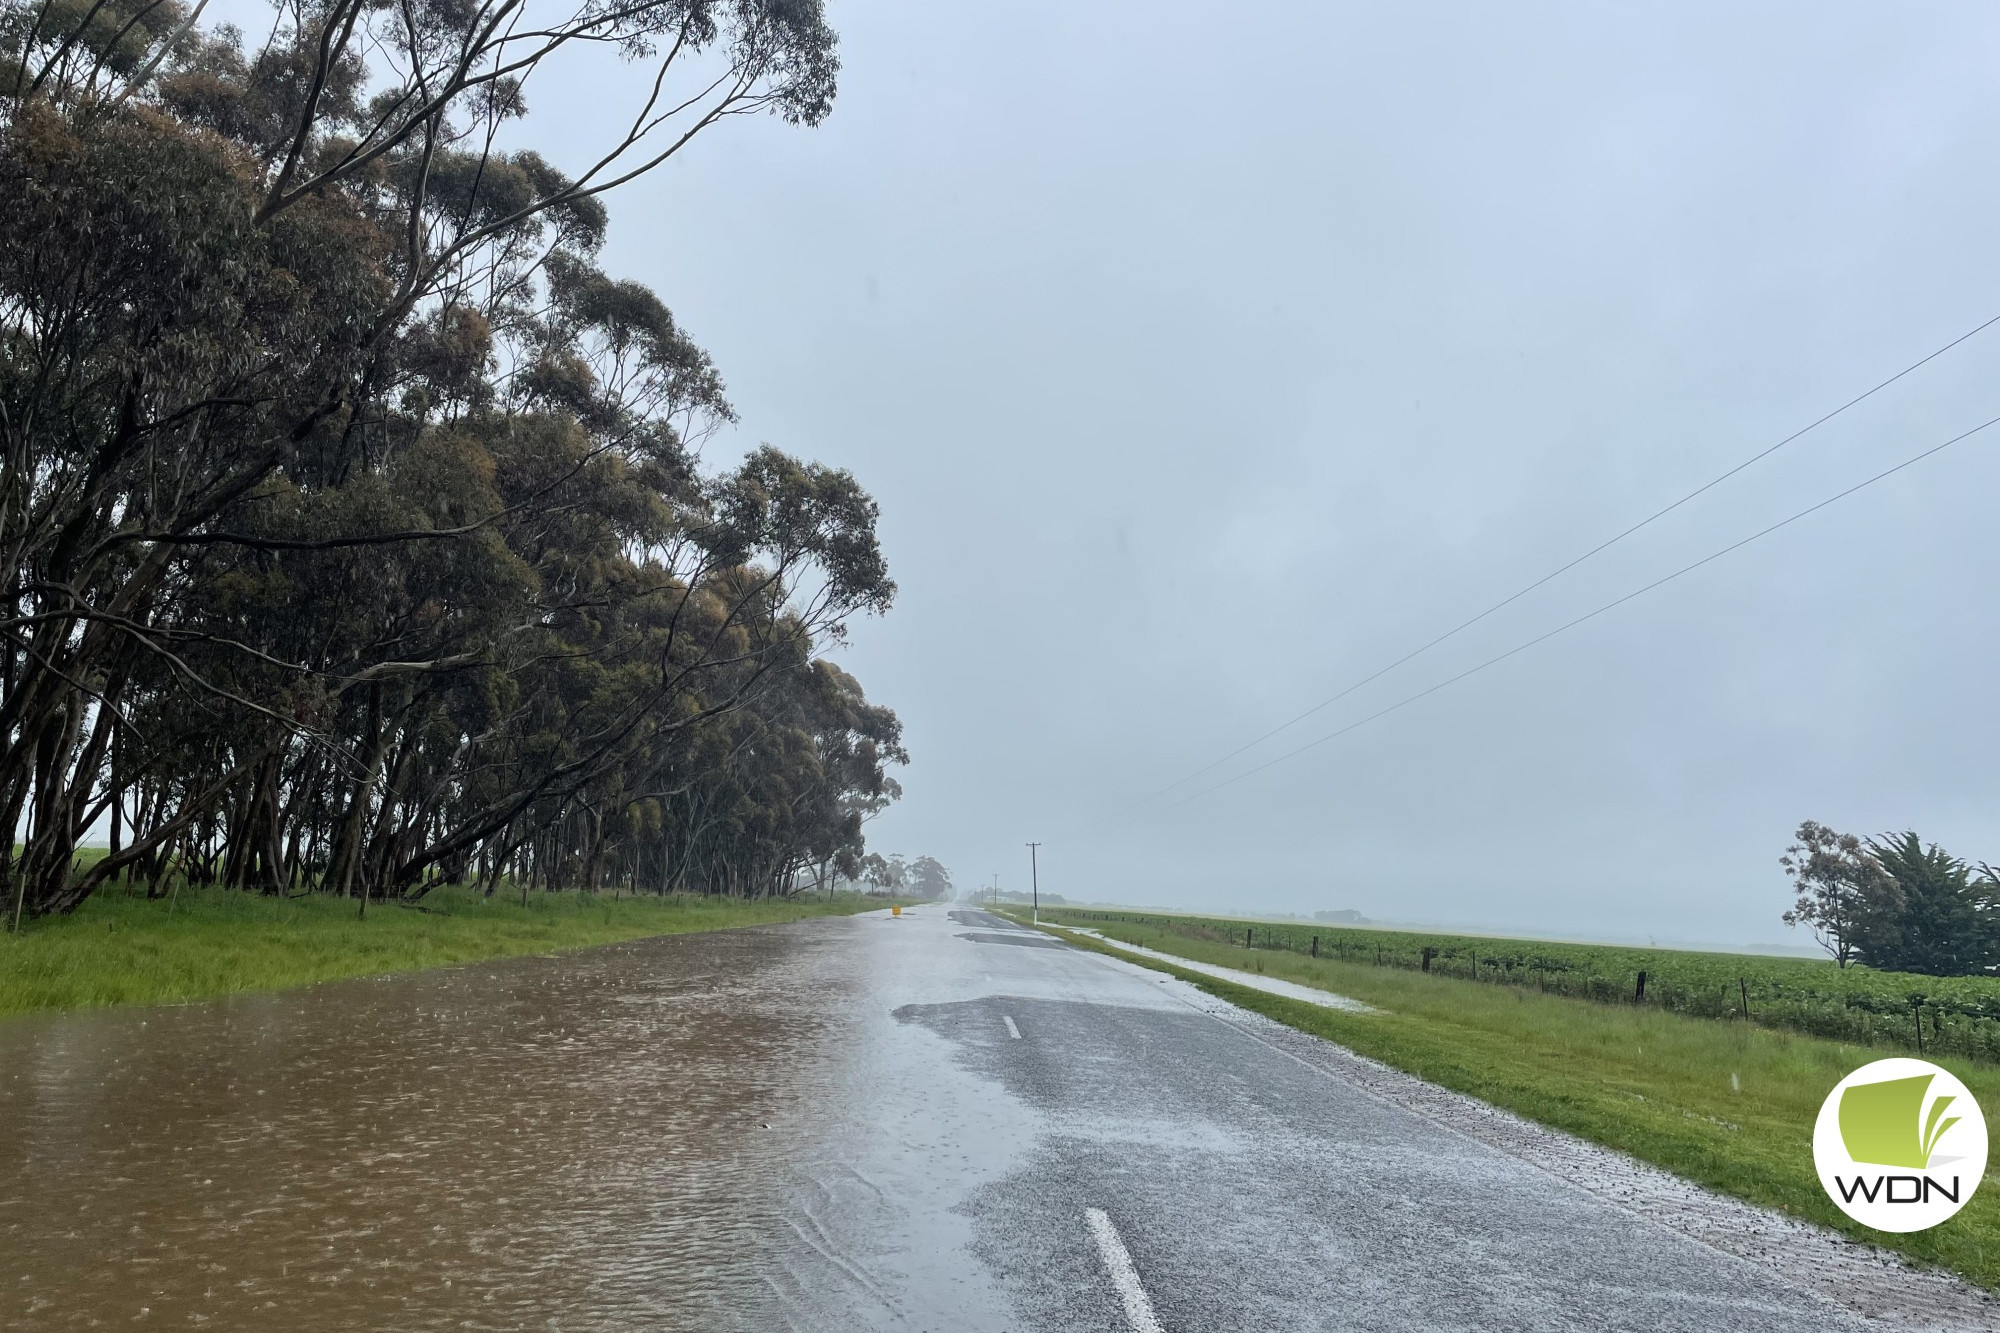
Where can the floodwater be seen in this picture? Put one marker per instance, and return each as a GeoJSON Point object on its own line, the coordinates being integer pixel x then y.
{"type": "Point", "coordinates": [839, 1125]}
{"type": "Point", "coordinates": [636, 1137]}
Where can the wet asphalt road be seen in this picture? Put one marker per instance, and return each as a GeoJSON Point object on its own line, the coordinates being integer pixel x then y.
{"type": "Point", "coordinates": [1251, 1190]}
{"type": "Point", "coordinates": [936, 1123]}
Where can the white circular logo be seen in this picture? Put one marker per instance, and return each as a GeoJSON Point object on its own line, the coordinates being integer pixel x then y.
{"type": "Point", "coordinates": [1900, 1145]}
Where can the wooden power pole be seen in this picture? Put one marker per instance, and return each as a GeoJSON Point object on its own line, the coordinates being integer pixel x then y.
{"type": "Point", "coordinates": [1035, 883]}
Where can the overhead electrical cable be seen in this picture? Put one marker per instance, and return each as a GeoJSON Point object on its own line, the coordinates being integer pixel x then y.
{"type": "Point", "coordinates": [1587, 616]}
{"type": "Point", "coordinates": [1553, 574]}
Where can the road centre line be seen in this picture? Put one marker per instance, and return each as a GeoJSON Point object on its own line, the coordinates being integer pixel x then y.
{"type": "Point", "coordinates": [1118, 1267]}
{"type": "Point", "coordinates": [1012, 1031]}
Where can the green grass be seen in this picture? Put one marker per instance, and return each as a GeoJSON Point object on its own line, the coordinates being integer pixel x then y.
{"type": "Point", "coordinates": [1921, 1014]}
{"type": "Point", "coordinates": [120, 949]}
{"type": "Point", "coordinates": [1651, 1083]}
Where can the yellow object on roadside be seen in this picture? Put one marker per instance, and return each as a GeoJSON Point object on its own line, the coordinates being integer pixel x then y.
{"type": "Point", "coordinates": [895, 911]}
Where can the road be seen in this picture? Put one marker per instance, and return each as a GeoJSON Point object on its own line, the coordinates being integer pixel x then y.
{"type": "Point", "coordinates": [937, 1123]}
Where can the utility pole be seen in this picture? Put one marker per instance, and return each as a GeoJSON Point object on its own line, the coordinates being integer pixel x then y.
{"type": "Point", "coordinates": [993, 899]}
{"type": "Point", "coordinates": [1035, 884]}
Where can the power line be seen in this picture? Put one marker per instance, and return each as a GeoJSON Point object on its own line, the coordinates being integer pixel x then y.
{"type": "Point", "coordinates": [1553, 574]}
{"type": "Point", "coordinates": [1589, 615]}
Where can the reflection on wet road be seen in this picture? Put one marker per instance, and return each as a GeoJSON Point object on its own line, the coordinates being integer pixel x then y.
{"type": "Point", "coordinates": [859, 1123]}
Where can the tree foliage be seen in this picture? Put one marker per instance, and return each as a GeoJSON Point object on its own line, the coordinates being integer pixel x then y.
{"type": "Point", "coordinates": [928, 878]}
{"type": "Point", "coordinates": [924, 877]}
{"type": "Point", "coordinates": [1926, 913]}
{"type": "Point", "coordinates": [1894, 903]}
{"type": "Point", "coordinates": [1835, 878]}
{"type": "Point", "coordinates": [356, 535]}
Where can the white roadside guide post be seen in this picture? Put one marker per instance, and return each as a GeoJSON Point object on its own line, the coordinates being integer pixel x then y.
{"type": "Point", "coordinates": [1035, 885]}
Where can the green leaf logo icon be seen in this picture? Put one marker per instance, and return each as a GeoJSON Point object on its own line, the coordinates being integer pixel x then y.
{"type": "Point", "coordinates": [1900, 1145]}
{"type": "Point", "coordinates": [1886, 1123]}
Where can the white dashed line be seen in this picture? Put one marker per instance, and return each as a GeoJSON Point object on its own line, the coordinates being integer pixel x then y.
{"type": "Point", "coordinates": [1012, 1031]}
{"type": "Point", "coordinates": [1139, 1314]}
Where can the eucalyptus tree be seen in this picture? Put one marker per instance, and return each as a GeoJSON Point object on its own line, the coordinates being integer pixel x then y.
{"type": "Point", "coordinates": [1836, 877]}
{"type": "Point", "coordinates": [353, 527]}
{"type": "Point", "coordinates": [777, 800]}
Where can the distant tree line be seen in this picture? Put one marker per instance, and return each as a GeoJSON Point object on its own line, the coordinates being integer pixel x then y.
{"type": "Point", "coordinates": [1021, 896]}
{"type": "Point", "coordinates": [1894, 902]}
{"type": "Point", "coordinates": [924, 877]}
{"type": "Point", "coordinates": [355, 534]}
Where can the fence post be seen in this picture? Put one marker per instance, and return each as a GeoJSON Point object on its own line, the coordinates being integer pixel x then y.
{"type": "Point", "coordinates": [1429, 953]}
{"type": "Point", "coordinates": [1917, 1012]}
{"type": "Point", "coordinates": [1315, 946]}
{"type": "Point", "coordinates": [1744, 990]}
{"type": "Point", "coordinates": [1246, 936]}
{"type": "Point", "coordinates": [1639, 995]}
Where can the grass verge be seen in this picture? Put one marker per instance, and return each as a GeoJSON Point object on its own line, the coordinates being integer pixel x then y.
{"type": "Point", "coordinates": [1727, 1105]}
{"type": "Point", "coordinates": [119, 949]}
{"type": "Point", "coordinates": [1811, 996]}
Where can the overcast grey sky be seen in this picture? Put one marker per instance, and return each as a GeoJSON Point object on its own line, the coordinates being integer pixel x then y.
{"type": "Point", "coordinates": [1206, 359]}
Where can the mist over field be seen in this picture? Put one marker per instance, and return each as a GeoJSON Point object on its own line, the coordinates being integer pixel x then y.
{"type": "Point", "coordinates": [1204, 365]}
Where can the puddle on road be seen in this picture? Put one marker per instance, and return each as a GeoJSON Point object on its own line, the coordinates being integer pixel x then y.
{"type": "Point", "coordinates": [1291, 990]}
{"type": "Point", "coordinates": [1028, 941]}
{"type": "Point", "coordinates": [576, 1142]}
{"type": "Point", "coordinates": [984, 921]}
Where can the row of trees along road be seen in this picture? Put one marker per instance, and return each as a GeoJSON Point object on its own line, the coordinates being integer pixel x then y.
{"type": "Point", "coordinates": [354, 529]}
{"type": "Point", "coordinates": [924, 877]}
{"type": "Point", "coordinates": [1894, 902]}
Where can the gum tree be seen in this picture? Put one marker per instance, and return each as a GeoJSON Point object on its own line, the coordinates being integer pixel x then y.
{"type": "Point", "coordinates": [353, 525]}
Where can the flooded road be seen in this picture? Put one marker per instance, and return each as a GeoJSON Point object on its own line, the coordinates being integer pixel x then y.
{"type": "Point", "coordinates": [938, 1123]}
{"type": "Point", "coordinates": [641, 1136]}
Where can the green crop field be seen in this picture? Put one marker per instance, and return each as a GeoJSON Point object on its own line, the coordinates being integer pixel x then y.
{"type": "Point", "coordinates": [1728, 1105]}
{"type": "Point", "coordinates": [1929, 1015]}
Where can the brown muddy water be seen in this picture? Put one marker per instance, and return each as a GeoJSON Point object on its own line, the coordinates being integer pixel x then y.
{"type": "Point", "coordinates": [597, 1141]}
